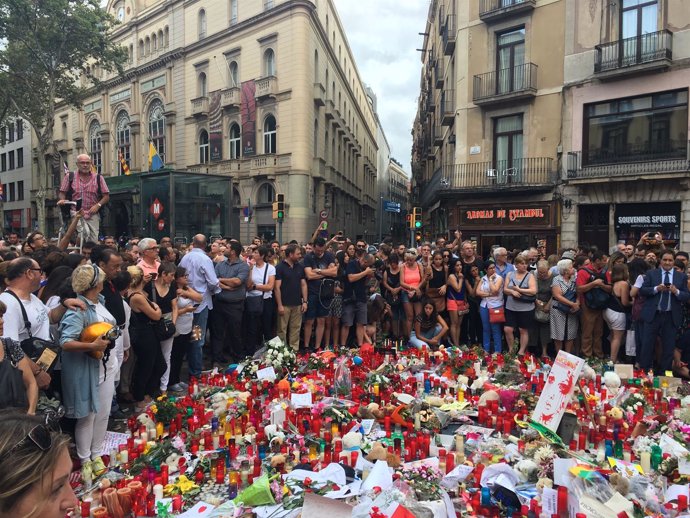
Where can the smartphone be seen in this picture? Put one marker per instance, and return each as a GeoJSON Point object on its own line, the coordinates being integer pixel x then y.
{"type": "Point", "coordinates": [154, 276]}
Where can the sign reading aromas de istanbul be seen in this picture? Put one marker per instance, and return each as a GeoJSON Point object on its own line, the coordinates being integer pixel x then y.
{"type": "Point", "coordinates": [507, 216]}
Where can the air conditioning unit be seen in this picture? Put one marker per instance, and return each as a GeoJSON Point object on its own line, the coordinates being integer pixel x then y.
{"type": "Point", "coordinates": [510, 172]}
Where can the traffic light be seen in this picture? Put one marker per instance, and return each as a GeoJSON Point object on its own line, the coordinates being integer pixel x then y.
{"type": "Point", "coordinates": [279, 207]}
{"type": "Point", "coordinates": [408, 220]}
{"type": "Point", "coordinates": [417, 217]}
{"type": "Point", "coordinates": [418, 236]}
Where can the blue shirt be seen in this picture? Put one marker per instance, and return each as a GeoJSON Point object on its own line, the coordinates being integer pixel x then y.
{"type": "Point", "coordinates": [202, 276]}
{"type": "Point", "coordinates": [503, 273]}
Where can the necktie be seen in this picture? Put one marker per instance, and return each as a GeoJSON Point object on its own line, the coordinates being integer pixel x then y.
{"type": "Point", "coordinates": [666, 296]}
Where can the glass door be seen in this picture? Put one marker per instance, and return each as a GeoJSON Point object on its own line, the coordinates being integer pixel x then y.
{"type": "Point", "coordinates": [508, 149]}
{"type": "Point", "coordinates": [510, 58]}
{"type": "Point", "coordinates": [638, 28]}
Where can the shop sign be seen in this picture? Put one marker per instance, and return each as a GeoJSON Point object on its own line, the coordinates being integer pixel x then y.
{"type": "Point", "coordinates": [507, 216]}
{"type": "Point", "coordinates": [631, 220]}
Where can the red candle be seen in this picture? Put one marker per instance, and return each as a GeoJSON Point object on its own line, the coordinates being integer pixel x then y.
{"type": "Point", "coordinates": [450, 462]}
{"type": "Point", "coordinates": [164, 474]}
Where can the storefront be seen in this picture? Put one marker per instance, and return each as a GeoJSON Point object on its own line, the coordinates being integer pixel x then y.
{"type": "Point", "coordinates": [513, 226]}
{"type": "Point", "coordinates": [632, 220]}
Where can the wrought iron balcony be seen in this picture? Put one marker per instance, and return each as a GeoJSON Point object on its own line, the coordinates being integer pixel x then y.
{"type": "Point", "coordinates": [508, 84]}
{"type": "Point", "coordinates": [447, 107]}
{"type": "Point", "coordinates": [673, 157]}
{"type": "Point", "coordinates": [629, 55]}
{"type": "Point", "coordinates": [495, 10]}
{"type": "Point", "coordinates": [449, 35]}
{"type": "Point", "coordinates": [438, 73]}
{"type": "Point", "coordinates": [524, 174]}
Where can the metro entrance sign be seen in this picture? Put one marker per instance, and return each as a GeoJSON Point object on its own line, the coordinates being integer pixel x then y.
{"type": "Point", "coordinates": [156, 208]}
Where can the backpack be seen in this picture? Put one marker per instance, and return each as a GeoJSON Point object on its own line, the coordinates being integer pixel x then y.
{"type": "Point", "coordinates": [70, 192]}
{"type": "Point", "coordinates": [596, 298]}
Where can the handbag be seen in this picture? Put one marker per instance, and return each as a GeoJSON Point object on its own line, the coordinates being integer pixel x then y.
{"type": "Point", "coordinates": [541, 316]}
{"type": "Point", "coordinates": [255, 304]}
{"type": "Point", "coordinates": [41, 353]}
{"type": "Point", "coordinates": [438, 299]}
{"type": "Point", "coordinates": [12, 389]}
{"type": "Point", "coordinates": [163, 327]}
{"type": "Point", "coordinates": [497, 315]}
{"type": "Point", "coordinates": [571, 295]}
{"type": "Point", "coordinates": [526, 299]}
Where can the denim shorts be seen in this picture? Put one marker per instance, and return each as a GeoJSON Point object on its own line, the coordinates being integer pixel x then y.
{"type": "Point", "coordinates": [317, 308]}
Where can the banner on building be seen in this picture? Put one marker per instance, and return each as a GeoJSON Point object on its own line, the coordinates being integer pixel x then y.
{"type": "Point", "coordinates": [215, 127]}
{"type": "Point", "coordinates": [248, 111]}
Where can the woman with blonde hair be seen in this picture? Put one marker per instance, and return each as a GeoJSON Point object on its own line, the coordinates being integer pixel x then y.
{"type": "Point", "coordinates": [150, 365]}
{"type": "Point", "coordinates": [34, 469]}
{"type": "Point", "coordinates": [88, 383]}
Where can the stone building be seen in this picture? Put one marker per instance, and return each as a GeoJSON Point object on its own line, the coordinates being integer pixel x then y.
{"type": "Point", "coordinates": [264, 92]}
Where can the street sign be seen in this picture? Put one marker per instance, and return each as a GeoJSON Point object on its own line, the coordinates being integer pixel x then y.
{"type": "Point", "coordinates": [391, 206]}
{"type": "Point", "coordinates": [323, 214]}
{"type": "Point", "coordinates": [161, 224]}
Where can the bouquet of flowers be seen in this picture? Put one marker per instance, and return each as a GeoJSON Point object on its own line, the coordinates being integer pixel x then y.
{"type": "Point", "coordinates": [278, 355]}
{"type": "Point", "coordinates": [424, 479]}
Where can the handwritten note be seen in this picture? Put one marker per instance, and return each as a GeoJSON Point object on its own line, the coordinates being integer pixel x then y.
{"type": "Point", "coordinates": [267, 373]}
{"type": "Point", "coordinates": [301, 400]}
{"type": "Point", "coordinates": [558, 390]}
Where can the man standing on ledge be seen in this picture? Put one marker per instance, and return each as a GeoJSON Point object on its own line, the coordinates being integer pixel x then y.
{"type": "Point", "coordinates": [90, 191]}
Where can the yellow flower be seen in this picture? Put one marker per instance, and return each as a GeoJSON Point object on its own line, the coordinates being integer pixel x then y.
{"type": "Point", "coordinates": [154, 409]}
{"type": "Point", "coordinates": [183, 485]}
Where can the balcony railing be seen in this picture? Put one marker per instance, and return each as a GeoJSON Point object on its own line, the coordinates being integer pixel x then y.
{"type": "Point", "coordinates": [266, 87]}
{"type": "Point", "coordinates": [449, 35]}
{"type": "Point", "coordinates": [200, 106]}
{"type": "Point", "coordinates": [670, 158]}
{"type": "Point", "coordinates": [438, 73]}
{"type": "Point", "coordinates": [447, 107]}
{"type": "Point", "coordinates": [493, 10]}
{"type": "Point", "coordinates": [655, 48]}
{"type": "Point", "coordinates": [231, 97]}
{"type": "Point", "coordinates": [506, 84]}
{"type": "Point", "coordinates": [519, 174]}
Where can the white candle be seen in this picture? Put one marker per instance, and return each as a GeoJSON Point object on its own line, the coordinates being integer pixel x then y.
{"type": "Point", "coordinates": [646, 461]}
{"type": "Point", "coordinates": [158, 491]}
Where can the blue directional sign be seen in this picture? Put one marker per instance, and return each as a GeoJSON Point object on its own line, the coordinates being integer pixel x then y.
{"type": "Point", "coordinates": [391, 206]}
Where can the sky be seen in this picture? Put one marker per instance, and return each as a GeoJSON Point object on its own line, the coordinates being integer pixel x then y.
{"type": "Point", "coordinates": [383, 36]}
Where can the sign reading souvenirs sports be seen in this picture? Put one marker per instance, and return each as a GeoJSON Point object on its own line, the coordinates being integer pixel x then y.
{"type": "Point", "coordinates": [507, 216]}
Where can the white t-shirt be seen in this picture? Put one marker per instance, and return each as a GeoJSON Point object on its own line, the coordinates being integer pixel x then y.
{"type": "Point", "coordinates": [639, 281]}
{"type": "Point", "coordinates": [36, 311]}
{"type": "Point", "coordinates": [184, 322]}
{"type": "Point", "coordinates": [258, 278]}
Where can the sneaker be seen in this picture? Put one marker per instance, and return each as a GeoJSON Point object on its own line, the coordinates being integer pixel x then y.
{"type": "Point", "coordinates": [184, 385]}
{"type": "Point", "coordinates": [98, 467]}
{"type": "Point", "coordinates": [177, 387]}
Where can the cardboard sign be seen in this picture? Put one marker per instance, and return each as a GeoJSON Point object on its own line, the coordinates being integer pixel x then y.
{"type": "Point", "coordinates": [559, 388]}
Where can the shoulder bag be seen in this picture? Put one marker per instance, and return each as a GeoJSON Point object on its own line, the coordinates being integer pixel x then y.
{"type": "Point", "coordinates": [497, 315]}
{"type": "Point", "coordinates": [462, 305]}
{"type": "Point", "coordinates": [12, 389]}
{"type": "Point", "coordinates": [525, 299]}
{"type": "Point", "coordinates": [255, 304]}
{"type": "Point", "coordinates": [163, 328]}
{"type": "Point", "coordinates": [571, 295]}
{"type": "Point", "coordinates": [41, 353]}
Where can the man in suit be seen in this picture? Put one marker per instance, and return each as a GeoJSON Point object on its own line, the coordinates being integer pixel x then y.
{"type": "Point", "coordinates": [665, 291]}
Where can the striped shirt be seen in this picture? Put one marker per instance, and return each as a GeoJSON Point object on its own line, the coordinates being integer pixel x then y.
{"type": "Point", "coordinates": [86, 191]}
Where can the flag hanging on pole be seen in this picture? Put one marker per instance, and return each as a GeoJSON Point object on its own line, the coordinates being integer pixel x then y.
{"type": "Point", "coordinates": [123, 163]}
{"type": "Point", "coordinates": [155, 161]}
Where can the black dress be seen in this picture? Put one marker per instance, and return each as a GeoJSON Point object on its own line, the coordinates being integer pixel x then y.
{"type": "Point", "coordinates": [150, 364]}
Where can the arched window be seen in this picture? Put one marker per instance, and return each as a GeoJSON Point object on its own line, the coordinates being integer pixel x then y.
{"type": "Point", "coordinates": [235, 141]}
{"type": "Point", "coordinates": [131, 52]}
{"type": "Point", "coordinates": [141, 48]}
{"type": "Point", "coordinates": [203, 147]}
{"type": "Point", "coordinates": [266, 193]}
{"type": "Point", "coordinates": [202, 24]}
{"type": "Point", "coordinates": [167, 36]}
{"type": "Point", "coordinates": [202, 88]}
{"type": "Point", "coordinates": [233, 12]}
{"type": "Point", "coordinates": [161, 39]}
{"type": "Point", "coordinates": [317, 72]}
{"type": "Point", "coordinates": [95, 145]}
{"type": "Point", "coordinates": [154, 42]}
{"type": "Point", "coordinates": [269, 63]}
{"type": "Point", "coordinates": [123, 135]}
{"type": "Point", "coordinates": [157, 127]}
{"type": "Point", "coordinates": [147, 46]}
{"type": "Point", "coordinates": [234, 74]}
{"type": "Point", "coordinates": [270, 135]}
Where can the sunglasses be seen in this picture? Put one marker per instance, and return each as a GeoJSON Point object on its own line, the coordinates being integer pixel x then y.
{"type": "Point", "coordinates": [39, 436]}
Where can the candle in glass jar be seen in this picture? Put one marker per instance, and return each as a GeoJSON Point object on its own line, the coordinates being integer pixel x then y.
{"type": "Point", "coordinates": [646, 461]}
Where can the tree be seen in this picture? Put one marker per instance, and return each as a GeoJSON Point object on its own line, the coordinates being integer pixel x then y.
{"type": "Point", "coordinates": [47, 47]}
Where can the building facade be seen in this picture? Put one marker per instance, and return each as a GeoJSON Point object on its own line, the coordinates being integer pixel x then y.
{"type": "Point", "coordinates": [263, 91]}
{"type": "Point", "coordinates": [626, 94]}
{"type": "Point", "coordinates": [15, 177]}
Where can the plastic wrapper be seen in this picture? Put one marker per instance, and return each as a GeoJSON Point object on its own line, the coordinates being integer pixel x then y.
{"type": "Point", "coordinates": [342, 381]}
{"type": "Point", "coordinates": [593, 485]}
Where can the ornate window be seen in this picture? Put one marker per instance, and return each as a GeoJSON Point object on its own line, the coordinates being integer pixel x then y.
{"type": "Point", "coordinates": [270, 135]}
{"type": "Point", "coordinates": [203, 147]}
{"type": "Point", "coordinates": [203, 88]}
{"type": "Point", "coordinates": [269, 63]}
{"type": "Point", "coordinates": [266, 194]}
{"type": "Point", "coordinates": [124, 143]}
{"type": "Point", "coordinates": [157, 127]}
{"type": "Point", "coordinates": [234, 74]}
{"type": "Point", "coordinates": [95, 147]}
{"type": "Point", "coordinates": [235, 141]}
{"type": "Point", "coordinates": [202, 24]}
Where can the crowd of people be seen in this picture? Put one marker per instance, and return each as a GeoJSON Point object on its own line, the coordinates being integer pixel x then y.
{"type": "Point", "coordinates": [179, 309]}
